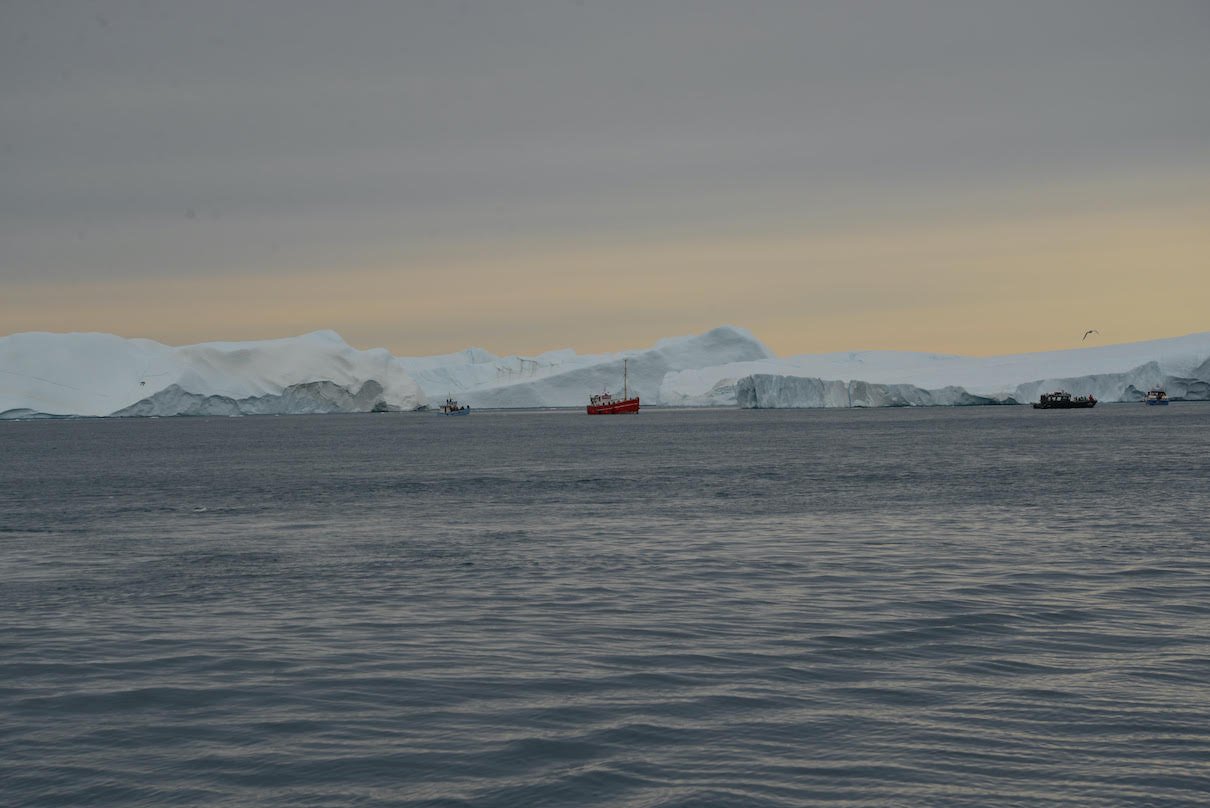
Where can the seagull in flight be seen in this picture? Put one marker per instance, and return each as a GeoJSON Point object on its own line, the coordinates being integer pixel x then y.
{"type": "Point", "coordinates": [1089, 331]}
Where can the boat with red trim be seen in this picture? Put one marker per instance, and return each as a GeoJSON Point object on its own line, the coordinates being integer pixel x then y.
{"type": "Point", "coordinates": [606, 404]}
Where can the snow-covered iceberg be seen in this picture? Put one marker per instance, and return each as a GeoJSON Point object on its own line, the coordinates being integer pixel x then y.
{"type": "Point", "coordinates": [1180, 365]}
{"type": "Point", "coordinates": [43, 374]}
{"type": "Point", "coordinates": [564, 378]}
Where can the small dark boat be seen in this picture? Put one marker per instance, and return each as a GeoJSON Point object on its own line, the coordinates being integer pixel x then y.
{"type": "Point", "coordinates": [1062, 400]}
{"type": "Point", "coordinates": [450, 407]}
{"type": "Point", "coordinates": [1156, 397]}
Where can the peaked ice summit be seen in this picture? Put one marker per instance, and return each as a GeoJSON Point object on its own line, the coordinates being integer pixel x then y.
{"type": "Point", "coordinates": [565, 379]}
{"type": "Point", "coordinates": [44, 374]}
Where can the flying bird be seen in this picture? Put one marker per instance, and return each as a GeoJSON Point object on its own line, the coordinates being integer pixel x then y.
{"type": "Point", "coordinates": [1089, 331]}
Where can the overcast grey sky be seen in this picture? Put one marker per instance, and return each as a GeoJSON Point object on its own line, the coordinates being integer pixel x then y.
{"type": "Point", "coordinates": [222, 140]}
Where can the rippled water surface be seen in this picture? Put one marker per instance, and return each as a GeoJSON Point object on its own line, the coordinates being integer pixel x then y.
{"type": "Point", "coordinates": [985, 606]}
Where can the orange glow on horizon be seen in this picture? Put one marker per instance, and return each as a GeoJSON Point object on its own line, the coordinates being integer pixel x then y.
{"type": "Point", "coordinates": [960, 285]}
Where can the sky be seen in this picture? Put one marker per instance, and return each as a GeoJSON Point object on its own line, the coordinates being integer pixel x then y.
{"type": "Point", "coordinates": [961, 177]}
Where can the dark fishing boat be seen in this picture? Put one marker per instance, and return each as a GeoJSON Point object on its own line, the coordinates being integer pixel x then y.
{"type": "Point", "coordinates": [450, 407]}
{"type": "Point", "coordinates": [1062, 400]}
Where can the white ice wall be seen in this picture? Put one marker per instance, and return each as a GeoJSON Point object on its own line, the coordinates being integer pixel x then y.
{"type": "Point", "coordinates": [101, 374]}
{"type": "Point", "coordinates": [1112, 373]}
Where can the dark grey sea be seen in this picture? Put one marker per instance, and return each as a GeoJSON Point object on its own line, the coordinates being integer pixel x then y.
{"type": "Point", "coordinates": [921, 607]}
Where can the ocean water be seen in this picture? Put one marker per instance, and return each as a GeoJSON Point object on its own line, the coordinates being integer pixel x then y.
{"type": "Point", "coordinates": [958, 607]}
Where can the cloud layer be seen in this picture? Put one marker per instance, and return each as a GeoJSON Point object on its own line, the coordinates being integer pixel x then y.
{"type": "Point", "coordinates": [244, 153]}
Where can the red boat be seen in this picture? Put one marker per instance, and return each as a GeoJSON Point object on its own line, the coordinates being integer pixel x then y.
{"type": "Point", "coordinates": [605, 404]}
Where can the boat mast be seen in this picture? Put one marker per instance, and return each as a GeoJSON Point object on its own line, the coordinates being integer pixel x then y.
{"type": "Point", "coordinates": [625, 379]}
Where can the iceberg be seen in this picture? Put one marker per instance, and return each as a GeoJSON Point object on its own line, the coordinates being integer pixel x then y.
{"type": "Point", "coordinates": [44, 374]}
{"type": "Point", "coordinates": [48, 375]}
{"type": "Point", "coordinates": [1112, 373]}
{"type": "Point", "coordinates": [765, 391]}
{"type": "Point", "coordinates": [564, 378]}
{"type": "Point", "coordinates": [52, 375]}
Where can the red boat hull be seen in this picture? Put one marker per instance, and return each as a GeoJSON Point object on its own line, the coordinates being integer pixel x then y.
{"type": "Point", "coordinates": [614, 407]}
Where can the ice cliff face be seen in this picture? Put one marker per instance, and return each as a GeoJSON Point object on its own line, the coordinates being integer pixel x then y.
{"type": "Point", "coordinates": [763, 391]}
{"type": "Point", "coordinates": [1180, 365]}
{"type": "Point", "coordinates": [297, 399]}
{"type": "Point", "coordinates": [101, 374]}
